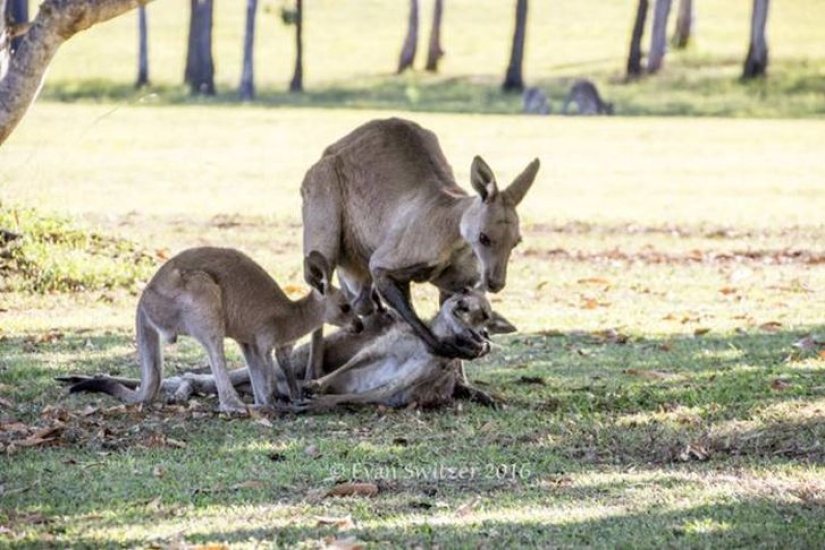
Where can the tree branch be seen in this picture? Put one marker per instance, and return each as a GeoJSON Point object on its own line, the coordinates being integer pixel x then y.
{"type": "Point", "coordinates": [56, 22]}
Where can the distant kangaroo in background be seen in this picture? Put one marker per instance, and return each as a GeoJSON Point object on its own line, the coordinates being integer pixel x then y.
{"type": "Point", "coordinates": [383, 206]}
{"type": "Point", "coordinates": [586, 97]}
{"type": "Point", "coordinates": [535, 102]}
{"type": "Point", "coordinates": [212, 293]}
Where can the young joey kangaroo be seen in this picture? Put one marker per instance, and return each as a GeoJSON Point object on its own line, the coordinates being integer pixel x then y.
{"type": "Point", "coordinates": [587, 99]}
{"type": "Point", "coordinates": [213, 293]}
{"type": "Point", "coordinates": [398, 368]}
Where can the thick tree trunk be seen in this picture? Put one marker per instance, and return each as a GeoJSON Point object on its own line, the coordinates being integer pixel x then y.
{"type": "Point", "coordinates": [405, 60]}
{"type": "Point", "coordinates": [757, 61]}
{"type": "Point", "coordinates": [17, 12]}
{"type": "Point", "coordinates": [247, 90]}
{"type": "Point", "coordinates": [684, 24]}
{"type": "Point", "coordinates": [435, 52]}
{"type": "Point", "coordinates": [634, 58]}
{"type": "Point", "coordinates": [513, 80]}
{"type": "Point", "coordinates": [56, 22]}
{"type": "Point", "coordinates": [200, 69]}
{"type": "Point", "coordinates": [297, 83]}
{"type": "Point", "coordinates": [143, 49]}
{"type": "Point", "coordinates": [658, 36]}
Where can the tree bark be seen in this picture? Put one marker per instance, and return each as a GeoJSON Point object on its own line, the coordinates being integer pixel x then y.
{"type": "Point", "coordinates": [634, 58]}
{"type": "Point", "coordinates": [56, 22]}
{"type": "Point", "coordinates": [684, 24]}
{"type": "Point", "coordinates": [408, 49]}
{"type": "Point", "coordinates": [513, 80]}
{"type": "Point", "coordinates": [658, 36]}
{"type": "Point", "coordinates": [297, 83]}
{"type": "Point", "coordinates": [247, 88]}
{"type": "Point", "coordinates": [757, 61]}
{"type": "Point", "coordinates": [17, 12]}
{"type": "Point", "coordinates": [143, 49]}
{"type": "Point", "coordinates": [435, 52]}
{"type": "Point", "coordinates": [200, 69]}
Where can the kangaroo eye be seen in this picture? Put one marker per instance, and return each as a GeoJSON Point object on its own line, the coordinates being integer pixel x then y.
{"type": "Point", "coordinates": [484, 239]}
{"type": "Point", "coordinates": [346, 308]}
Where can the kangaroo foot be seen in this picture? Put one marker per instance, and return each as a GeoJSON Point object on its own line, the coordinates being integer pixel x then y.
{"type": "Point", "coordinates": [463, 390]}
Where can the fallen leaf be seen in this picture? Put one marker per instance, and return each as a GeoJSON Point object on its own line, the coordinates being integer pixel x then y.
{"type": "Point", "coordinates": [312, 450]}
{"type": "Point", "coordinates": [665, 346]}
{"type": "Point", "coordinates": [293, 289]}
{"type": "Point", "coordinates": [727, 290]}
{"type": "Point", "coordinates": [648, 374]}
{"type": "Point", "coordinates": [353, 490]}
{"type": "Point", "coordinates": [771, 326]}
{"type": "Point", "coordinates": [467, 507]}
{"type": "Point", "coordinates": [175, 443]}
{"type": "Point", "coordinates": [589, 303]}
{"type": "Point", "coordinates": [779, 385]}
{"type": "Point", "coordinates": [701, 331]}
{"type": "Point", "coordinates": [694, 451]}
{"type": "Point", "coordinates": [538, 380]}
{"type": "Point", "coordinates": [594, 281]}
{"type": "Point", "coordinates": [6, 403]}
{"type": "Point", "coordinates": [343, 522]}
{"type": "Point", "coordinates": [265, 422]}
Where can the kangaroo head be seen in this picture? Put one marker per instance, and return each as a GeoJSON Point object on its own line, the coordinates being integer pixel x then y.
{"type": "Point", "coordinates": [337, 309]}
{"type": "Point", "coordinates": [470, 312]}
{"type": "Point", "coordinates": [491, 224]}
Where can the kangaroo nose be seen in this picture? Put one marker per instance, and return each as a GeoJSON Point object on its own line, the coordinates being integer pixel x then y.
{"type": "Point", "coordinates": [357, 326]}
{"type": "Point", "coordinates": [495, 285]}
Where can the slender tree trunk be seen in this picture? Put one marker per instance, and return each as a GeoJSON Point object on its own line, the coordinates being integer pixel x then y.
{"type": "Point", "coordinates": [634, 59]}
{"type": "Point", "coordinates": [658, 36]}
{"type": "Point", "coordinates": [248, 73]}
{"type": "Point", "coordinates": [407, 56]}
{"type": "Point", "coordinates": [56, 22]}
{"type": "Point", "coordinates": [684, 24]}
{"type": "Point", "coordinates": [143, 49]}
{"type": "Point", "coordinates": [513, 80]}
{"type": "Point", "coordinates": [200, 69]}
{"type": "Point", "coordinates": [297, 83]}
{"type": "Point", "coordinates": [18, 12]}
{"type": "Point", "coordinates": [435, 52]}
{"type": "Point", "coordinates": [757, 61]}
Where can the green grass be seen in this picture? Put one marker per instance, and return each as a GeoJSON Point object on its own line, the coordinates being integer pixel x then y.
{"type": "Point", "coordinates": [655, 397]}
{"type": "Point", "coordinates": [654, 393]}
{"type": "Point", "coordinates": [352, 48]}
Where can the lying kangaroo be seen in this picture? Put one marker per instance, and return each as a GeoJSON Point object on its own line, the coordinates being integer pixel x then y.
{"type": "Point", "coordinates": [397, 368]}
{"type": "Point", "coordinates": [383, 206]}
{"type": "Point", "coordinates": [586, 97]}
{"type": "Point", "coordinates": [386, 363]}
{"type": "Point", "coordinates": [535, 102]}
{"type": "Point", "coordinates": [213, 293]}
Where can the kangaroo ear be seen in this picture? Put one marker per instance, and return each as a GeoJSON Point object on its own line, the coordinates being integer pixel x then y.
{"type": "Point", "coordinates": [522, 183]}
{"type": "Point", "coordinates": [499, 325]}
{"type": "Point", "coordinates": [483, 179]}
{"type": "Point", "coordinates": [317, 272]}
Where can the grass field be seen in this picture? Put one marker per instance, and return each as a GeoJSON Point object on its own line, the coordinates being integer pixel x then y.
{"type": "Point", "coordinates": [666, 388]}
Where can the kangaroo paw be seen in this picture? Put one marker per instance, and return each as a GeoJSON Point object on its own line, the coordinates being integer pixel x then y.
{"type": "Point", "coordinates": [464, 390]}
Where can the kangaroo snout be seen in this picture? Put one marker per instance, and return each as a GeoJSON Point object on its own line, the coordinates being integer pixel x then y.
{"type": "Point", "coordinates": [357, 326]}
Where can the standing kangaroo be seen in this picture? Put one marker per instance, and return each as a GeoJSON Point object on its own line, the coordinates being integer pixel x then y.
{"type": "Point", "coordinates": [382, 206]}
{"type": "Point", "coordinates": [212, 293]}
{"type": "Point", "coordinates": [587, 99]}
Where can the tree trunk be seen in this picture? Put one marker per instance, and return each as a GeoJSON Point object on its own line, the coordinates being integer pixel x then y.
{"type": "Point", "coordinates": [757, 61]}
{"type": "Point", "coordinates": [248, 73]}
{"type": "Point", "coordinates": [658, 36]}
{"type": "Point", "coordinates": [297, 83]}
{"type": "Point", "coordinates": [200, 69]}
{"type": "Point", "coordinates": [143, 49]}
{"type": "Point", "coordinates": [634, 59]}
{"type": "Point", "coordinates": [684, 24]}
{"type": "Point", "coordinates": [17, 12]}
{"type": "Point", "coordinates": [56, 22]}
{"type": "Point", "coordinates": [434, 52]}
{"type": "Point", "coordinates": [407, 56]}
{"type": "Point", "coordinates": [513, 80]}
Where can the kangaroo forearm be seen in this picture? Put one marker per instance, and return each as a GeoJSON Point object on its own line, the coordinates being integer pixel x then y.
{"type": "Point", "coordinates": [397, 296]}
